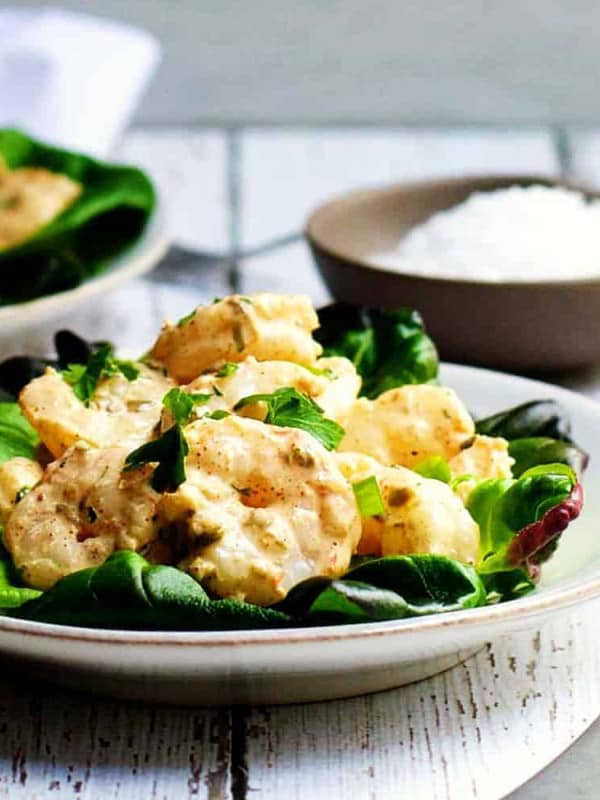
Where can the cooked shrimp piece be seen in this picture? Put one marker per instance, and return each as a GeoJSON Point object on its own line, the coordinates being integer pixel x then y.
{"type": "Point", "coordinates": [17, 477]}
{"type": "Point", "coordinates": [485, 457]}
{"type": "Point", "coordinates": [269, 327]}
{"type": "Point", "coordinates": [261, 509]}
{"type": "Point", "coordinates": [121, 412]}
{"type": "Point", "coordinates": [332, 383]}
{"type": "Point", "coordinates": [84, 508]}
{"type": "Point", "coordinates": [30, 198]}
{"type": "Point", "coordinates": [406, 425]}
{"type": "Point", "coordinates": [421, 515]}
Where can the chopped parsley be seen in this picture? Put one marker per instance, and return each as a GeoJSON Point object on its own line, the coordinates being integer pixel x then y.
{"type": "Point", "coordinates": [368, 497]}
{"type": "Point", "coordinates": [227, 369]}
{"type": "Point", "coordinates": [218, 414]}
{"type": "Point", "coordinates": [289, 408]}
{"type": "Point", "coordinates": [181, 404]}
{"type": "Point", "coordinates": [84, 378]}
{"type": "Point", "coordinates": [187, 318]}
{"type": "Point", "coordinates": [168, 452]}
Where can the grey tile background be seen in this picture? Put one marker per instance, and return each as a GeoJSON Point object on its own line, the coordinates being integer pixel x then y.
{"type": "Point", "coordinates": [369, 61]}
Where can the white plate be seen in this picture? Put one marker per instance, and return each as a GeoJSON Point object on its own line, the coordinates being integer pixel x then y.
{"type": "Point", "coordinates": [136, 260]}
{"type": "Point", "coordinates": [324, 663]}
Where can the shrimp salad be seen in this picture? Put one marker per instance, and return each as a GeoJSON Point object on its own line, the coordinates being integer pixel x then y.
{"type": "Point", "coordinates": [268, 465]}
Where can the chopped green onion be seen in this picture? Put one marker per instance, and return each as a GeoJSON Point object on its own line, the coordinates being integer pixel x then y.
{"type": "Point", "coordinates": [368, 497]}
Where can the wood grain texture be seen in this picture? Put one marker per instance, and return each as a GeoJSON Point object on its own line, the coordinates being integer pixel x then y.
{"type": "Point", "coordinates": [59, 745]}
{"type": "Point", "coordinates": [472, 733]}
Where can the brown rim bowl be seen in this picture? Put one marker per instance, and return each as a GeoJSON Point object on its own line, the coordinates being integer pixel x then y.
{"type": "Point", "coordinates": [524, 326]}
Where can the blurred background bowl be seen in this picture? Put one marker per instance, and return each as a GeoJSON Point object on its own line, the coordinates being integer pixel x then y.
{"type": "Point", "coordinates": [519, 326]}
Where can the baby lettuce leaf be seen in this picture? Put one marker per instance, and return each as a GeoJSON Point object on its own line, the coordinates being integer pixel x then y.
{"type": "Point", "coordinates": [12, 592]}
{"type": "Point", "coordinates": [17, 437]}
{"type": "Point", "coordinates": [532, 451]}
{"type": "Point", "coordinates": [387, 588]}
{"type": "Point", "coordinates": [127, 592]}
{"type": "Point", "coordinates": [388, 348]}
{"type": "Point", "coordinates": [520, 521]}
{"type": "Point", "coordinates": [535, 418]}
{"type": "Point", "coordinates": [108, 217]}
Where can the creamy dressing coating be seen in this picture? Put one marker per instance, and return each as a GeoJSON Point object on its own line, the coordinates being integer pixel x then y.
{"type": "Point", "coordinates": [485, 457]}
{"type": "Point", "coordinates": [261, 509]}
{"type": "Point", "coordinates": [267, 326]}
{"type": "Point", "coordinates": [407, 425]}
{"type": "Point", "coordinates": [420, 515]}
{"type": "Point", "coordinates": [121, 412]}
{"type": "Point", "coordinates": [332, 383]}
{"type": "Point", "coordinates": [84, 508]}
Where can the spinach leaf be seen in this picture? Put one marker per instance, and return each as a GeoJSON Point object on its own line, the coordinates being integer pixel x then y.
{"type": "Point", "coordinates": [289, 408]}
{"type": "Point", "coordinates": [535, 418]}
{"type": "Point", "coordinates": [386, 588]}
{"type": "Point", "coordinates": [388, 348]}
{"type": "Point", "coordinates": [17, 371]}
{"type": "Point", "coordinates": [17, 437]}
{"type": "Point", "coordinates": [534, 450]}
{"type": "Point", "coordinates": [107, 218]}
{"type": "Point", "coordinates": [84, 378]}
{"type": "Point", "coordinates": [127, 592]}
{"type": "Point", "coordinates": [168, 452]}
{"type": "Point", "coordinates": [520, 520]}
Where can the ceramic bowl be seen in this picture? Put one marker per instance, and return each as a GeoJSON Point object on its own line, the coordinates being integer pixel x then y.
{"type": "Point", "coordinates": [297, 665]}
{"type": "Point", "coordinates": [526, 326]}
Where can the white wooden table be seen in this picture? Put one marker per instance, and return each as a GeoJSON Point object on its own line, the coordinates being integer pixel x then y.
{"type": "Point", "coordinates": [474, 733]}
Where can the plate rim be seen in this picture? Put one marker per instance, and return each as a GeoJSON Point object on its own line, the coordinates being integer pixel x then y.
{"type": "Point", "coordinates": [549, 599]}
{"type": "Point", "coordinates": [136, 260]}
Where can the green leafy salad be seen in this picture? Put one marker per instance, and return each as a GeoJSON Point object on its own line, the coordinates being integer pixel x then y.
{"type": "Point", "coordinates": [63, 216]}
{"type": "Point", "coordinates": [265, 467]}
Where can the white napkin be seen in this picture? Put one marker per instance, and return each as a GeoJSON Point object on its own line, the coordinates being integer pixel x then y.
{"type": "Point", "coordinates": [71, 79]}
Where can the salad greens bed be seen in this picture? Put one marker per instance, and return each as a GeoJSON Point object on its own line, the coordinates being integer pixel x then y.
{"type": "Point", "coordinates": [108, 217]}
{"type": "Point", "coordinates": [520, 518]}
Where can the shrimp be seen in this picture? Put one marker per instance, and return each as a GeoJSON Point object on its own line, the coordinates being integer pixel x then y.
{"type": "Point", "coordinates": [17, 476]}
{"type": "Point", "coordinates": [83, 509]}
{"type": "Point", "coordinates": [406, 425]}
{"type": "Point", "coordinates": [262, 508]}
{"type": "Point", "coordinates": [31, 197]}
{"type": "Point", "coordinates": [420, 515]}
{"type": "Point", "coordinates": [121, 412]}
{"type": "Point", "coordinates": [266, 326]}
{"type": "Point", "coordinates": [333, 384]}
{"type": "Point", "coordinates": [485, 457]}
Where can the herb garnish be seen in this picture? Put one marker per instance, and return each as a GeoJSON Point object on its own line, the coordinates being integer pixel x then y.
{"type": "Point", "coordinates": [185, 319]}
{"type": "Point", "coordinates": [169, 452]}
{"type": "Point", "coordinates": [84, 378]}
{"type": "Point", "coordinates": [181, 404]}
{"type": "Point", "coordinates": [227, 369]}
{"type": "Point", "coordinates": [368, 497]}
{"type": "Point", "coordinates": [289, 408]}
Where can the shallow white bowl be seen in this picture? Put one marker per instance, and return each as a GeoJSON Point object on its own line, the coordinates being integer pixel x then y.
{"type": "Point", "coordinates": [329, 662]}
{"type": "Point", "coordinates": [136, 260]}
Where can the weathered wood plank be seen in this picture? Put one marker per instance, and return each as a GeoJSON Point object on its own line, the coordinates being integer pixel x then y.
{"type": "Point", "coordinates": [285, 173]}
{"type": "Point", "coordinates": [58, 744]}
{"type": "Point", "coordinates": [473, 733]}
